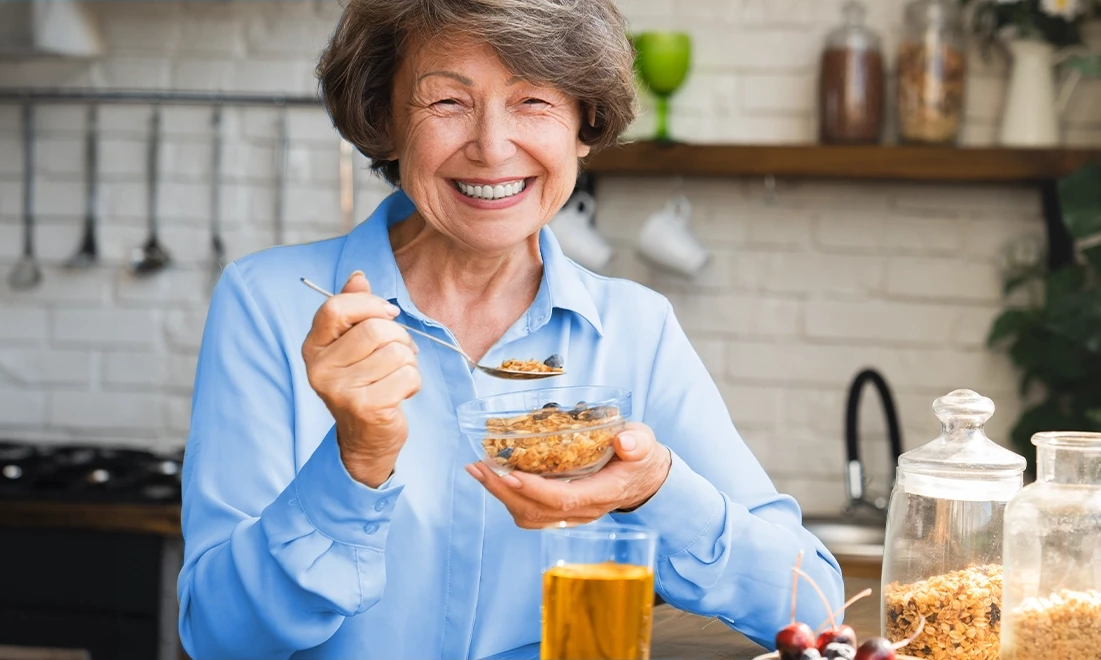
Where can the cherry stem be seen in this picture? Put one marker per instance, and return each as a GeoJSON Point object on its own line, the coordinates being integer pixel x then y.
{"type": "Point", "coordinates": [862, 594]}
{"type": "Point", "coordinates": [795, 584]}
{"type": "Point", "coordinates": [825, 601]}
{"type": "Point", "coordinates": [921, 626]}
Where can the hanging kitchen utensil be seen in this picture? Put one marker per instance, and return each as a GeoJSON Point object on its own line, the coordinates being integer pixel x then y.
{"type": "Point", "coordinates": [26, 273]}
{"type": "Point", "coordinates": [87, 255]}
{"type": "Point", "coordinates": [217, 247]}
{"type": "Point", "coordinates": [152, 257]}
{"type": "Point", "coordinates": [347, 186]}
{"type": "Point", "coordinates": [281, 147]}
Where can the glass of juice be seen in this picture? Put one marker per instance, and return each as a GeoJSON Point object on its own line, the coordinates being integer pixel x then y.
{"type": "Point", "coordinates": [598, 591]}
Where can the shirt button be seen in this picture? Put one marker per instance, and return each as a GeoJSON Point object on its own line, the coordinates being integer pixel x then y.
{"type": "Point", "coordinates": [381, 504]}
{"type": "Point", "coordinates": [371, 528]}
{"type": "Point", "coordinates": [293, 502]}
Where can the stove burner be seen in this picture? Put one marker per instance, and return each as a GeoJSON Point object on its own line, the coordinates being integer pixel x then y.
{"type": "Point", "coordinates": [81, 472]}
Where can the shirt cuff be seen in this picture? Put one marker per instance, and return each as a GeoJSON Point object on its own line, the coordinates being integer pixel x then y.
{"type": "Point", "coordinates": [681, 511]}
{"type": "Point", "coordinates": [340, 507]}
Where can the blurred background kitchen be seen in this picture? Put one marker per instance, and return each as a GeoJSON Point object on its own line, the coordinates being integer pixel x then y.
{"type": "Point", "coordinates": [159, 139]}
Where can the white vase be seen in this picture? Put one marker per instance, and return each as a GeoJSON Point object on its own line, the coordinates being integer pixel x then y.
{"type": "Point", "coordinates": [1031, 118]}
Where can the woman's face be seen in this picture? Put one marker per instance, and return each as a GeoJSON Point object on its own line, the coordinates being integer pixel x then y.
{"type": "Point", "coordinates": [488, 158]}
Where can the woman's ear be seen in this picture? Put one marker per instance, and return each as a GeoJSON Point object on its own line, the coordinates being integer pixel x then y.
{"type": "Point", "coordinates": [588, 115]}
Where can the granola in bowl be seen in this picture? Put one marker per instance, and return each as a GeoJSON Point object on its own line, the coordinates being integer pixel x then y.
{"type": "Point", "coordinates": [532, 432]}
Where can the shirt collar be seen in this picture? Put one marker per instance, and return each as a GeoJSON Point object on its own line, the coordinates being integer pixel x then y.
{"type": "Point", "coordinates": [367, 248]}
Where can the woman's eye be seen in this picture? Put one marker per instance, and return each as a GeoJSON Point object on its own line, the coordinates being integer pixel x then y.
{"type": "Point", "coordinates": [447, 102]}
{"type": "Point", "coordinates": [534, 101]}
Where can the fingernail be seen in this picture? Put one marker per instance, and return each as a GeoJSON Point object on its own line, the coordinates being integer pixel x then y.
{"type": "Point", "coordinates": [512, 481]}
{"type": "Point", "coordinates": [628, 442]}
{"type": "Point", "coordinates": [393, 309]}
{"type": "Point", "coordinates": [354, 273]}
{"type": "Point", "coordinates": [473, 471]}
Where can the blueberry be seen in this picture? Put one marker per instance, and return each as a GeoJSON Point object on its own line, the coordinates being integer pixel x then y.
{"type": "Point", "coordinates": [839, 651]}
{"type": "Point", "coordinates": [505, 453]}
{"type": "Point", "coordinates": [552, 404]}
{"type": "Point", "coordinates": [554, 361]}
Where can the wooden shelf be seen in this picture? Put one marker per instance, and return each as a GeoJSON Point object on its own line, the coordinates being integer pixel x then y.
{"type": "Point", "coordinates": [161, 519]}
{"type": "Point", "coordinates": [898, 163]}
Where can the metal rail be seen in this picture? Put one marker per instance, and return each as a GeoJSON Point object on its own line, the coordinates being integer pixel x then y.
{"type": "Point", "coordinates": [170, 97]}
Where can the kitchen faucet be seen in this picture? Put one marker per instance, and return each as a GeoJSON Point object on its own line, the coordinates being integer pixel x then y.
{"type": "Point", "coordinates": [854, 468]}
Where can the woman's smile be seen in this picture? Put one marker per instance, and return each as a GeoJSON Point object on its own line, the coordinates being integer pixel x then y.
{"type": "Point", "coordinates": [492, 194]}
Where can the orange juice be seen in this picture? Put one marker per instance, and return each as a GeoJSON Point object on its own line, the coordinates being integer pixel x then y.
{"type": "Point", "coordinates": [597, 611]}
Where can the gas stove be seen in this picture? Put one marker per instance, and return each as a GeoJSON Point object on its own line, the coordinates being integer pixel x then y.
{"type": "Point", "coordinates": [88, 473]}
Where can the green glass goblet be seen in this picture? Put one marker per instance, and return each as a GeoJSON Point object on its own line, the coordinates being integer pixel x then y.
{"type": "Point", "coordinates": [662, 60]}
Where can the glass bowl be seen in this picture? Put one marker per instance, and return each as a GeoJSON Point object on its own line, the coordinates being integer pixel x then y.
{"type": "Point", "coordinates": [556, 433]}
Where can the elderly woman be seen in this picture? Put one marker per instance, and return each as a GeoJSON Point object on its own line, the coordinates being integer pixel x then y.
{"type": "Point", "coordinates": [331, 507]}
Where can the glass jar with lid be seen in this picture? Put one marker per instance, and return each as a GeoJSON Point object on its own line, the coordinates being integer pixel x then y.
{"type": "Point", "coordinates": [1052, 591]}
{"type": "Point", "coordinates": [942, 558]}
{"type": "Point", "coordinates": [851, 81]}
{"type": "Point", "coordinates": [932, 65]}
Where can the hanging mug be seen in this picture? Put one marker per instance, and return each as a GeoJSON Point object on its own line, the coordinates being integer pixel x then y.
{"type": "Point", "coordinates": [667, 241]}
{"type": "Point", "coordinates": [579, 239]}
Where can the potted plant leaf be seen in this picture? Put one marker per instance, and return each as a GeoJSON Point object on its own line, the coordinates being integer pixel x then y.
{"type": "Point", "coordinates": [1053, 329]}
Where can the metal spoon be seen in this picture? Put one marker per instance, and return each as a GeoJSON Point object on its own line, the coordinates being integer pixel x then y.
{"type": "Point", "coordinates": [87, 254]}
{"type": "Point", "coordinates": [506, 374]}
{"type": "Point", "coordinates": [217, 246]}
{"type": "Point", "coordinates": [26, 273]}
{"type": "Point", "coordinates": [152, 256]}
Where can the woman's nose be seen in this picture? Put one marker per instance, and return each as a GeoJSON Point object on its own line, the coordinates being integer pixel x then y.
{"type": "Point", "coordinates": [492, 144]}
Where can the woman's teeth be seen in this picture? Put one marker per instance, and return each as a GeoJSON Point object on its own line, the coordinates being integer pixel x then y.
{"type": "Point", "coordinates": [499, 191]}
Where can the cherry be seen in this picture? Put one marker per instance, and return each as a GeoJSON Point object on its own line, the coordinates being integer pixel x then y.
{"type": "Point", "coordinates": [841, 635]}
{"type": "Point", "coordinates": [793, 640]}
{"type": "Point", "coordinates": [875, 648]}
{"type": "Point", "coordinates": [878, 648]}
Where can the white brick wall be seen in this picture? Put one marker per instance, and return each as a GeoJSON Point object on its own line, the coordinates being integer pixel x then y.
{"type": "Point", "coordinates": [803, 290]}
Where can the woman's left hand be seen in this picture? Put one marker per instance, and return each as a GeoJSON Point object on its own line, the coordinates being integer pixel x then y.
{"type": "Point", "coordinates": [632, 477]}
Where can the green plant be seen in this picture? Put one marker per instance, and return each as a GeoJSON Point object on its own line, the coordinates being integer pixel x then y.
{"type": "Point", "coordinates": [1053, 21]}
{"type": "Point", "coordinates": [1053, 335]}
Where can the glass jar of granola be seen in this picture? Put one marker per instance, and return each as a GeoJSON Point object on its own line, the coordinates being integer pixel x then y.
{"type": "Point", "coordinates": [932, 65]}
{"type": "Point", "coordinates": [1052, 589]}
{"type": "Point", "coordinates": [942, 560]}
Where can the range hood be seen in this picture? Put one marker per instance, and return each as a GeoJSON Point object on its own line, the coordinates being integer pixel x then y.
{"type": "Point", "coordinates": [48, 27]}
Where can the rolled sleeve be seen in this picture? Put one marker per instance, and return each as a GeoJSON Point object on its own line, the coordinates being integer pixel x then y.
{"type": "Point", "coordinates": [682, 511]}
{"type": "Point", "coordinates": [340, 507]}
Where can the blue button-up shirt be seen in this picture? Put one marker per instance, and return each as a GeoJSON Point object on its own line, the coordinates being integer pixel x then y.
{"type": "Point", "coordinates": [287, 556]}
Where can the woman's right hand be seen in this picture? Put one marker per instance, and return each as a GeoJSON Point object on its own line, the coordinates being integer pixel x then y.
{"type": "Point", "coordinates": [363, 365]}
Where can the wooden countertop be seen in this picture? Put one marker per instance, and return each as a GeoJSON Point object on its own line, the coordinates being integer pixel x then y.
{"type": "Point", "coordinates": [679, 634]}
{"type": "Point", "coordinates": [160, 519]}
{"type": "Point", "coordinates": [676, 634]}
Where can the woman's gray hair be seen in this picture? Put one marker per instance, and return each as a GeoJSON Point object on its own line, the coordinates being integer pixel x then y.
{"type": "Point", "coordinates": [579, 47]}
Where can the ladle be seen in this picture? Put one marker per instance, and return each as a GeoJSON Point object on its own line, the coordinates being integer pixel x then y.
{"type": "Point", "coordinates": [152, 257]}
{"type": "Point", "coordinates": [26, 273]}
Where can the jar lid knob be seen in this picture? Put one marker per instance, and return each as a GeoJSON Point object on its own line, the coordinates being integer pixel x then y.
{"type": "Point", "coordinates": [854, 12]}
{"type": "Point", "coordinates": [963, 403]}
